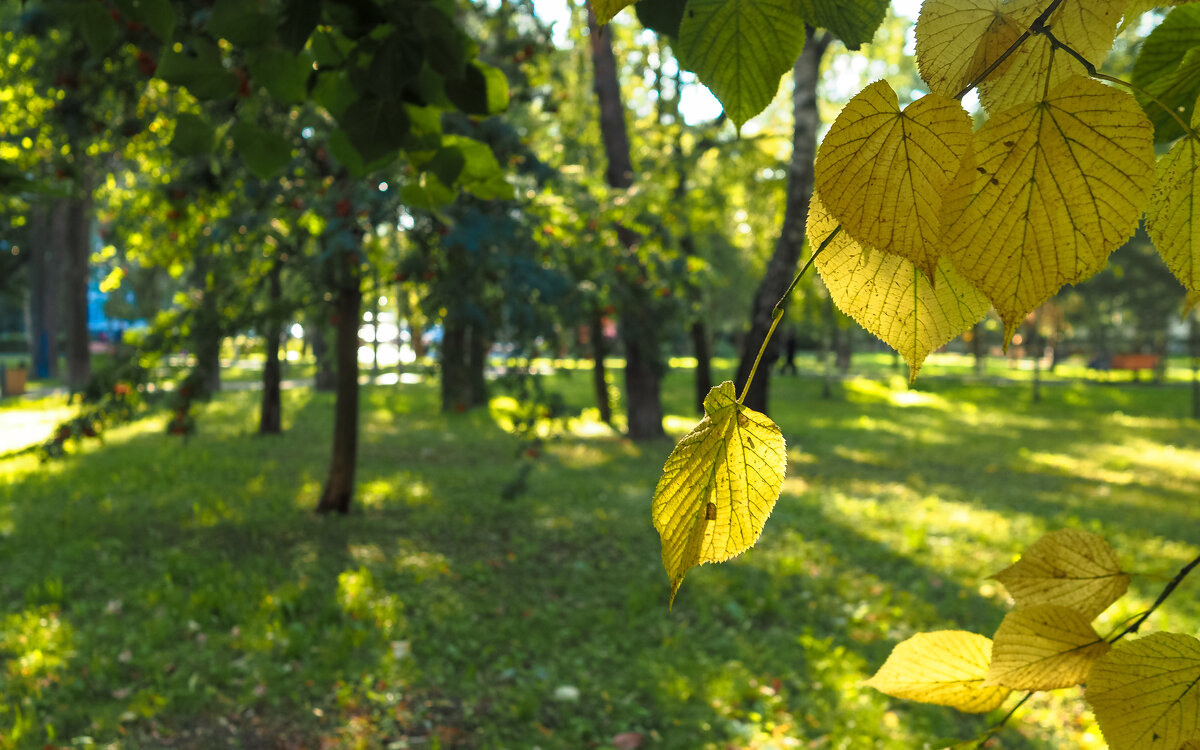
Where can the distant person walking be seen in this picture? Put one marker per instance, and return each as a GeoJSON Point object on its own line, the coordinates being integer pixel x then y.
{"type": "Point", "coordinates": [789, 353]}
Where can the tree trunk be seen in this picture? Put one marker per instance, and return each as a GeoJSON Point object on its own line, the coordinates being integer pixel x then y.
{"type": "Point", "coordinates": [44, 227]}
{"type": "Point", "coordinates": [339, 487]}
{"type": "Point", "coordinates": [1194, 351]}
{"type": "Point", "coordinates": [326, 374]}
{"type": "Point", "coordinates": [206, 333]}
{"type": "Point", "coordinates": [977, 348]}
{"type": "Point", "coordinates": [463, 356]}
{"type": "Point", "coordinates": [599, 374]}
{"type": "Point", "coordinates": [1034, 347]}
{"type": "Point", "coordinates": [270, 420]}
{"type": "Point", "coordinates": [643, 366]}
{"type": "Point", "coordinates": [845, 348]}
{"type": "Point", "coordinates": [76, 255]}
{"type": "Point", "coordinates": [703, 351]}
{"type": "Point", "coordinates": [827, 348]}
{"type": "Point", "coordinates": [782, 265]}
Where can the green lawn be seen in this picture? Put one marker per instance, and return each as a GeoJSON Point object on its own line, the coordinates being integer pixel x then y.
{"type": "Point", "coordinates": [157, 593]}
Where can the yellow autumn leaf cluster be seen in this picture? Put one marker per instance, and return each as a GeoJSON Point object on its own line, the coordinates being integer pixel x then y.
{"type": "Point", "coordinates": [1047, 642]}
{"type": "Point", "coordinates": [1036, 198]}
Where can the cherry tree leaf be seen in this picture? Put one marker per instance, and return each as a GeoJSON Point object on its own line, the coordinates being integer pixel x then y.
{"type": "Point", "coordinates": [718, 486]}
{"type": "Point", "coordinates": [1052, 188]}
{"type": "Point", "coordinates": [1087, 26]}
{"type": "Point", "coordinates": [1173, 214]}
{"type": "Point", "coordinates": [1071, 568]}
{"type": "Point", "coordinates": [740, 49]}
{"type": "Point", "coordinates": [882, 171]}
{"type": "Point", "coordinates": [889, 297]}
{"type": "Point", "coordinates": [946, 668]}
{"type": "Point", "coordinates": [1146, 693]}
{"type": "Point", "coordinates": [1044, 647]}
{"type": "Point", "coordinates": [958, 39]}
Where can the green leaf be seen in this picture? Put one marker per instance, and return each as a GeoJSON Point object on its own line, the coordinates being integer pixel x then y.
{"type": "Point", "coordinates": [483, 90]}
{"type": "Point", "coordinates": [265, 153]}
{"type": "Point", "coordinates": [1173, 216]}
{"type": "Point", "coordinates": [333, 92]}
{"type": "Point", "coordinates": [284, 75]}
{"type": "Point", "coordinates": [95, 25]}
{"type": "Point", "coordinates": [375, 126]}
{"type": "Point", "coordinates": [296, 25]}
{"type": "Point", "coordinates": [193, 135]}
{"type": "Point", "coordinates": [396, 62]}
{"type": "Point", "coordinates": [447, 163]}
{"type": "Point", "coordinates": [663, 17]}
{"type": "Point", "coordinates": [346, 154]}
{"type": "Point", "coordinates": [945, 668]}
{"type": "Point", "coordinates": [1069, 567]}
{"type": "Point", "coordinates": [1168, 67]}
{"type": "Point", "coordinates": [158, 15]}
{"type": "Point", "coordinates": [427, 193]}
{"type": "Point", "coordinates": [1146, 693]}
{"type": "Point", "coordinates": [481, 174]}
{"type": "Point", "coordinates": [204, 77]}
{"type": "Point", "coordinates": [740, 49]}
{"type": "Point", "coordinates": [853, 21]}
{"type": "Point", "coordinates": [445, 44]}
{"type": "Point", "coordinates": [240, 22]}
{"type": "Point", "coordinates": [718, 486]}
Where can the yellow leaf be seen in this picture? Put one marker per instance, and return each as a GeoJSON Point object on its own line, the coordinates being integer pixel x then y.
{"type": "Point", "coordinates": [1146, 693]}
{"type": "Point", "coordinates": [946, 668]}
{"type": "Point", "coordinates": [958, 39]}
{"type": "Point", "coordinates": [606, 9]}
{"type": "Point", "coordinates": [882, 171]}
{"type": "Point", "coordinates": [1173, 214]}
{"type": "Point", "coordinates": [718, 485]}
{"type": "Point", "coordinates": [1191, 745]}
{"type": "Point", "coordinates": [1052, 189]}
{"type": "Point", "coordinates": [1087, 26]}
{"type": "Point", "coordinates": [1044, 647]}
{"type": "Point", "coordinates": [889, 297]}
{"type": "Point", "coordinates": [1071, 568]}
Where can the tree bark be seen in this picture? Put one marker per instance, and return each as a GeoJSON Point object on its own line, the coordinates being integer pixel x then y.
{"type": "Point", "coordinates": [270, 421]}
{"type": "Point", "coordinates": [703, 351]}
{"type": "Point", "coordinates": [44, 225]}
{"type": "Point", "coordinates": [599, 374]}
{"type": "Point", "coordinates": [206, 336]}
{"type": "Point", "coordinates": [977, 348]}
{"type": "Point", "coordinates": [845, 348]}
{"type": "Point", "coordinates": [643, 359]}
{"type": "Point", "coordinates": [782, 265]}
{"type": "Point", "coordinates": [463, 356]}
{"type": "Point", "coordinates": [339, 487]}
{"type": "Point", "coordinates": [326, 374]}
{"type": "Point", "coordinates": [76, 255]}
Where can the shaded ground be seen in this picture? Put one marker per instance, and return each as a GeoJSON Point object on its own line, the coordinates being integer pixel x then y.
{"type": "Point", "coordinates": [160, 593]}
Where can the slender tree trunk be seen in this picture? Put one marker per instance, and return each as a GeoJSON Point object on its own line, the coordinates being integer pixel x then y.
{"type": "Point", "coordinates": [782, 265]}
{"type": "Point", "coordinates": [44, 225]}
{"type": "Point", "coordinates": [463, 358]}
{"type": "Point", "coordinates": [270, 420]}
{"type": "Point", "coordinates": [1034, 347]}
{"type": "Point", "coordinates": [845, 349]}
{"type": "Point", "coordinates": [326, 373]}
{"type": "Point", "coordinates": [1194, 351]}
{"type": "Point", "coordinates": [643, 365]}
{"type": "Point", "coordinates": [977, 348]}
{"type": "Point", "coordinates": [76, 255]}
{"type": "Point", "coordinates": [827, 349]}
{"type": "Point", "coordinates": [339, 487]}
{"type": "Point", "coordinates": [374, 325]}
{"type": "Point", "coordinates": [599, 374]}
{"type": "Point", "coordinates": [703, 351]}
{"type": "Point", "coordinates": [206, 332]}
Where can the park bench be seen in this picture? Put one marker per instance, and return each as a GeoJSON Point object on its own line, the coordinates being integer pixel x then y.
{"type": "Point", "coordinates": [1133, 362]}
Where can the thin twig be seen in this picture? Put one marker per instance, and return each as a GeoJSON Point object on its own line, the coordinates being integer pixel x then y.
{"type": "Point", "coordinates": [1171, 586]}
{"type": "Point", "coordinates": [991, 732]}
{"type": "Point", "coordinates": [1091, 71]}
{"type": "Point", "coordinates": [781, 306]}
{"type": "Point", "coordinates": [1038, 25]}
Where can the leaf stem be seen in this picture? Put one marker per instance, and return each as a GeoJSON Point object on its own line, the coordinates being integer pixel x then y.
{"type": "Point", "coordinates": [991, 732]}
{"type": "Point", "coordinates": [1162, 597]}
{"type": "Point", "coordinates": [1091, 71]}
{"type": "Point", "coordinates": [780, 307]}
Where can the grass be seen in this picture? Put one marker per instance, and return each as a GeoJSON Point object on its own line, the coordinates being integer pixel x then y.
{"type": "Point", "coordinates": [157, 593]}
